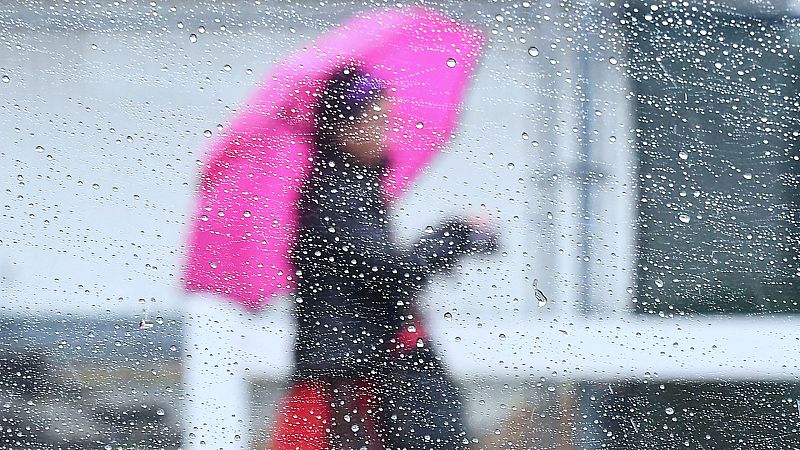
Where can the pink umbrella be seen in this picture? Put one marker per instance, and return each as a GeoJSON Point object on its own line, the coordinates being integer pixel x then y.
{"type": "Point", "coordinates": [246, 222]}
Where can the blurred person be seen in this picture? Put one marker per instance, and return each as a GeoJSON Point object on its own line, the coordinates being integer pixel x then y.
{"type": "Point", "coordinates": [292, 199]}
{"type": "Point", "coordinates": [365, 375]}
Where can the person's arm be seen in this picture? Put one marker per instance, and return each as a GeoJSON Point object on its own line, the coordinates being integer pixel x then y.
{"type": "Point", "coordinates": [386, 265]}
{"type": "Point", "coordinates": [452, 239]}
{"type": "Point", "coordinates": [347, 240]}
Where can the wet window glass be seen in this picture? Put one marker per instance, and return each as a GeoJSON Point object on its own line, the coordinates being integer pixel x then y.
{"type": "Point", "coordinates": [717, 127]}
{"type": "Point", "coordinates": [443, 225]}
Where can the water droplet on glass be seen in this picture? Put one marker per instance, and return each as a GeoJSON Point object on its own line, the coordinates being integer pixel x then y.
{"type": "Point", "coordinates": [160, 412]}
{"type": "Point", "coordinates": [451, 62]}
{"type": "Point", "coordinates": [420, 125]}
{"type": "Point", "coordinates": [145, 324]}
{"type": "Point", "coordinates": [612, 61]}
{"type": "Point", "coordinates": [39, 148]}
{"type": "Point", "coordinates": [6, 79]}
{"type": "Point", "coordinates": [180, 24]}
{"type": "Point", "coordinates": [669, 411]}
{"type": "Point", "coordinates": [747, 176]}
{"type": "Point", "coordinates": [129, 138]}
{"type": "Point", "coordinates": [213, 265]}
{"type": "Point", "coordinates": [533, 51]}
{"type": "Point", "coordinates": [226, 68]}
{"type": "Point", "coordinates": [659, 282]}
{"type": "Point", "coordinates": [541, 300]}
{"type": "Point", "coordinates": [684, 218]}
{"type": "Point", "coordinates": [193, 38]}
{"type": "Point", "coordinates": [420, 343]}
{"type": "Point", "coordinates": [448, 316]}
{"type": "Point", "coordinates": [207, 133]}
{"type": "Point", "coordinates": [246, 214]}
{"type": "Point", "coordinates": [502, 337]}
{"type": "Point", "coordinates": [201, 29]}
{"type": "Point", "coordinates": [524, 135]}
{"type": "Point", "coordinates": [173, 348]}
{"type": "Point", "coordinates": [355, 428]}
{"type": "Point", "coordinates": [612, 139]}
{"type": "Point", "coordinates": [683, 155]}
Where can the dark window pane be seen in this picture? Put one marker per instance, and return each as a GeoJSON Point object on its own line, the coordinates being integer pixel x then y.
{"type": "Point", "coordinates": [717, 128]}
{"type": "Point", "coordinates": [695, 415]}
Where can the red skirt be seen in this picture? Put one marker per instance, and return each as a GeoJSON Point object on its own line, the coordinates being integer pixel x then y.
{"type": "Point", "coordinates": [303, 419]}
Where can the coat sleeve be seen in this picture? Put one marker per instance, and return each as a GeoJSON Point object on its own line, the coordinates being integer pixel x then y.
{"type": "Point", "coordinates": [348, 240]}
{"type": "Point", "coordinates": [350, 244]}
{"type": "Point", "coordinates": [445, 244]}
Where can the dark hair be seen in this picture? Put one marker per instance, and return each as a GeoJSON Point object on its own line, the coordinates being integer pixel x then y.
{"type": "Point", "coordinates": [345, 98]}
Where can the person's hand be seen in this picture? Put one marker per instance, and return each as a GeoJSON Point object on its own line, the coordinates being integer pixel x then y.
{"type": "Point", "coordinates": [480, 221]}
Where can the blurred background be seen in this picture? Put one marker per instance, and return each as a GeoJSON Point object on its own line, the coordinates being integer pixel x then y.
{"type": "Point", "coordinates": [640, 157]}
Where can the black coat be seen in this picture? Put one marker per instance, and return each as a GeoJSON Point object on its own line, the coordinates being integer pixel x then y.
{"type": "Point", "coordinates": [354, 281]}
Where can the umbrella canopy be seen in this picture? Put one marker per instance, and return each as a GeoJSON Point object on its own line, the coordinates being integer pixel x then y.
{"type": "Point", "coordinates": [246, 220]}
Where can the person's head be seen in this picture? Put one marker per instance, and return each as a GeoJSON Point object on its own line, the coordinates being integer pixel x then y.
{"type": "Point", "coordinates": [352, 116]}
